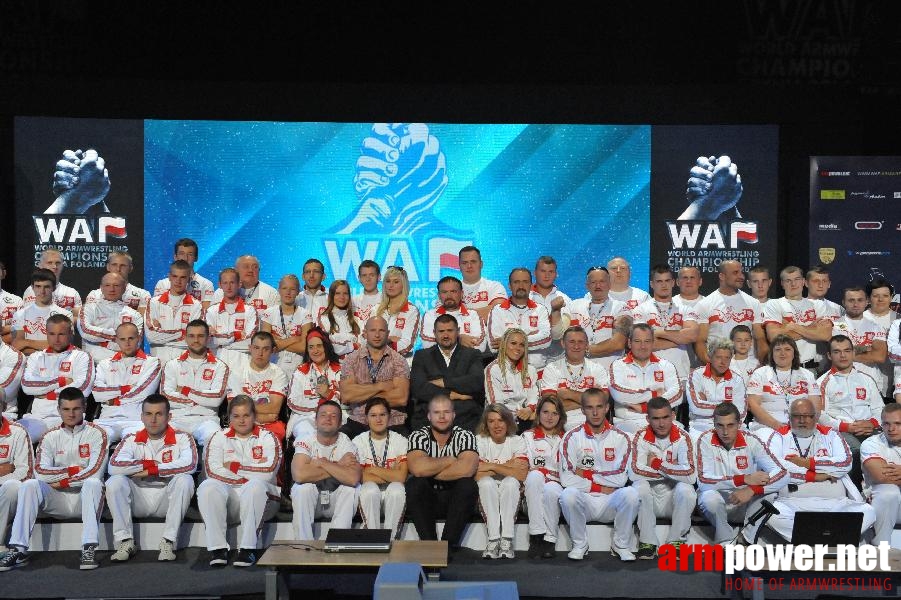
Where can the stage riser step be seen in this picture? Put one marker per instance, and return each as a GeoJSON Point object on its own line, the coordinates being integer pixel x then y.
{"type": "Point", "coordinates": [49, 536]}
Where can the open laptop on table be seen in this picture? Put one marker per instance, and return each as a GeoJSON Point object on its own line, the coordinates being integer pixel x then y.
{"type": "Point", "coordinates": [829, 528]}
{"type": "Point", "coordinates": [357, 540]}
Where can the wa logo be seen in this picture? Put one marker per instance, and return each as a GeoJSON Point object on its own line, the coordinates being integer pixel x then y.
{"type": "Point", "coordinates": [72, 229]}
{"type": "Point", "coordinates": [702, 235]}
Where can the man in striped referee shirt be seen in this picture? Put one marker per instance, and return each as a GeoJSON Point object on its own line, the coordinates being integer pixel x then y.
{"type": "Point", "coordinates": [442, 460]}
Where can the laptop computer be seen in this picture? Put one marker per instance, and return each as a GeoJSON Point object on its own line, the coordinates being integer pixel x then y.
{"type": "Point", "coordinates": [829, 528]}
{"type": "Point", "coordinates": [357, 540]}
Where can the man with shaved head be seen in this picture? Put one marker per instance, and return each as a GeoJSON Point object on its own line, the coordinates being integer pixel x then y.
{"type": "Point", "coordinates": [122, 263]}
{"type": "Point", "coordinates": [620, 274]}
{"type": "Point", "coordinates": [253, 291]}
{"type": "Point", "coordinates": [376, 369]}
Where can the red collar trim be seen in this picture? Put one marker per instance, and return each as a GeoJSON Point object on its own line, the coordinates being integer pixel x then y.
{"type": "Point", "coordinates": [740, 441]}
{"type": "Point", "coordinates": [506, 304]}
{"type": "Point", "coordinates": [538, 433]}
{"type": "Point", "coordinates": [587, 428]}
{"type": "Point", "coordinates": [629, 359]}
{"type": "Point", "coordinates": [52, 351]}
{"type": "Point", "coordinates": [139, 354]}
{"type": "Point", "coordinates": [164, 298]}
{"type": "Point", "coordinates": [784, 430]}
{"type": "Point", "coordinates": [650, 436]}
{"type": "Point", "coordinates": [239, 308]}
{"type": "Point", "coordinates": [209, 356]}
{"type": "Point", "coordinates": [231, 432]}
{"type": "Point", "coordinates": [463, 312]}
{"type": "Point", "coordinates": [142, 437]}
{"type": "Point", "coordinates": [708, 372]}
{"type": "Point", "coordinates": [824, 429]}
{"type": "Point", "coordinates": [4, 426]}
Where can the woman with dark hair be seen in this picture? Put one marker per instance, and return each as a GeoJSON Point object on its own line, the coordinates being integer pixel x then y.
{"type": "Point", "coordinates": [338, 319]}
{"type": "Point", "coordinates": [503, 466]}
{"type": "Point", "coordinates": [773, 387]}
{"type": "Point", "coordinates": [313, 382]}
{"type": "Point", "coordinates": [543, 487]}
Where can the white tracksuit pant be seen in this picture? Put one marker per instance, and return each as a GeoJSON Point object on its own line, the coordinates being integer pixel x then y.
{"type": "Point", "coordinates": [36, 496]}
{"type": "Point", "coordinates": [306, 500]}
{"type": "Point", "coordinates": [714, 504]}
{"type": "Point", "coordinates": [499, 499]}
{"type": "Point", "coordinates": [886, 502]}
{"type": "Point", "coordinates": [373, 497]}
{"type": "Point", "coordinates": [668, 499]}
{"type": "Point", "coordinates": [579, 507]}
{"type": "Point", "coordinates": [9, 495]}
{"type": "Point", "coordinates": [248, 505]}
{"type": "Point", "coordinates": [126, 498]}
{"type": "Point", "coordinates": [543, 505]}
{"type": "Point", "coordinates": [788, 506]}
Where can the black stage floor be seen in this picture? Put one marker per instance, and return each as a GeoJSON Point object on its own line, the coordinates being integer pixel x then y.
{"type": "Point", "coordinates": [56, 575]}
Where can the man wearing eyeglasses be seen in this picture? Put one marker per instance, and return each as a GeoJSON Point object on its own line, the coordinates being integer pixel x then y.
{"type": "Point", "coordinates": [818, 462]}
{"type": "Point", "coordinates": [313, 298]}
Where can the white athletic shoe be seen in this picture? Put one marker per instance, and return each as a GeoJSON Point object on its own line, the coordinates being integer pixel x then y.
{"type": "Point", "coordinates": [492, 549]}
{"type": "Point", "coordinates": [167, 550]}
{"type": "Point", "coordinates": [506, 549]}
{"type": "Point", "coordinates": [622, 553]}
{"type": "Point", "coordinates": [124, 551]}
{"type": "Point", "coordinates": [577, 553]}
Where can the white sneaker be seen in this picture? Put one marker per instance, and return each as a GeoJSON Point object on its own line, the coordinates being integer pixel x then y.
{"type": "Point", "coordinates": [124, 551]}
{"type": "Point", "coordinates": [506, 549]}
{"type": "Point", "coordinates": [167, 550]}
{"type": "Point", "coordinates": [622, 553]}
{"type": "Point", "coordinates": [491, 550]}
{"type": "Point", "coordinates": [577, 553]}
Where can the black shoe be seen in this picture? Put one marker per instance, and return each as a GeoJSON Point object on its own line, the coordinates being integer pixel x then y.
{"type": "Point", "coordinates": [536, 545]}
{"type": "Point", "coordinates": [13, 559]}
{"type": "Point", "coordinates": [218, 557]}
{"type": "Point", "coordinates": [247, 557]}
{"type": "Point", "coordinates": [548, 549]}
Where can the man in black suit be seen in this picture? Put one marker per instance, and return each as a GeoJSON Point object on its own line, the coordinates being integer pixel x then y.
{"type": "Point", "coordinates": [448, 369]}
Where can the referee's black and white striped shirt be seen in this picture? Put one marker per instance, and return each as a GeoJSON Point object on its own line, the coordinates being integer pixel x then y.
{"type": "Point", "coordinates": [460, 441]}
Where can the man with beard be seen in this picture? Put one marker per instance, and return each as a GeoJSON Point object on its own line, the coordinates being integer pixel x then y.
{"type": "Point", "coordinates": [448, 369]}
{"type": "Point", "coordinates": [818, 462]}
{"type": "Point", "coordinates": [376, 369]}
{"type": "Point", "coordinates": [518, 311]}
{"type": "Point", "coordinates": [450, 295]}
{"type": "Point", "coordinates": [867, 336]}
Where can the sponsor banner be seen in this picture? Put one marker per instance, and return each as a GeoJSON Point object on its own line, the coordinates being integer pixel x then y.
{"type": "Point", "coordinates": [713, 197]}
{"type": "Point", "coordinates": [855, 218]}
{"type": "Point", "coordinates": [79, 188]}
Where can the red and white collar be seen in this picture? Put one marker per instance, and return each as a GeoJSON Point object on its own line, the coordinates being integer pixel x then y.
{"type": "Point", "coordinates": [708, 373]}
{"type": "Point", "coordinates": [629, 359]}
{"type": "Point", "coordinates": [142, 437]}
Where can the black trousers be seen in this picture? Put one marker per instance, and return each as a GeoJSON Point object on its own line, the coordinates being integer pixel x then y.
{"type": "Point", "coordinates": [428, 500]}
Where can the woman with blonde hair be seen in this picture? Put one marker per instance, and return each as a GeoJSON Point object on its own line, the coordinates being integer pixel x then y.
{"type": "Point", "coordinates": [401, 314]}
{"type": "Point", "coordinates": [338, 320]}
{"type": "Point", "coordinates": [288, 325]}
{"type": "Point", "coordinates": [510, 379]}
{"type": "Point", "coordinates": [503, 466]}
